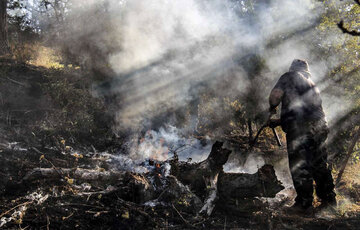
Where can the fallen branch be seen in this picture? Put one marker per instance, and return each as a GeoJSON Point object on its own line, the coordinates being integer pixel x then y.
{"type": "Point", "coordinates": [130, 186]}
{"type": "Point", "coordinates": [346, 30]}
{"type": "Point", "coordinates": [57, 170]}
{"type": "Point", "coordinates": [19, 205]}
{"type": "Point", "coordinates": [16, 82]}
{"type": "Point", "coordinates": [83, 205]}
{"type": "Point", "coordinates": [185, 221]}
{"type": "Point", "coordinates": [76, 173]}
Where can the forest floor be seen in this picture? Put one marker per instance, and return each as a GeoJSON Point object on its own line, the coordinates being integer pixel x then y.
{"type": "Point", "coordinates": [39, 130]}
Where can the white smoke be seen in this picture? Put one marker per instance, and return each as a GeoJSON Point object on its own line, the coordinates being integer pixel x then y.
{"type": "Point", "coordinates": [163, 48]}
{"type": "Point", "coordinates": [168, 142]}
{"type": "Point", "coordinates": [166, 47]}
{"type": "Point", "coordinates": [177, 44]}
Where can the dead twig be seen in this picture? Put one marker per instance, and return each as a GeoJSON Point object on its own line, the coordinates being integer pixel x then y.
{"type": "Point", "coordinates": [67, 217]}
{"type": "Point", "coordinates": [185, 221]}
{"type": "Point", "coordinates": [97, 213]}
{"type": "Point", "coordinates": [19, 205]}
{"type": "Point", "coordinates": [346, 30]}
{"type": "Point", "coordinates": [83, 205]}
{"type": "Point", "coordinates": [36, 150]}
{"type": "Point", "coordinates": [130, 206]}
{"type": "Point", "coordinates": [162, 193]}
{"type": "Point", "coordinates": [47, 223]}
{"type": "Point", "coordinates": [58, 171]}
{"type": "Point", "coordinates": [200, 222]}
{"type": "Point", "coordinates": [16, 82]}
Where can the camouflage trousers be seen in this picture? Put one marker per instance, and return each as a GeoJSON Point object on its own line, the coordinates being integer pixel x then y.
{"type": "Point", "coordinates": [308, 162]}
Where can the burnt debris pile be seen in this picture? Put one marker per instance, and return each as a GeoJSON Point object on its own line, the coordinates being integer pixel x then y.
{"type": "Point", "coordinates": [45, 187]}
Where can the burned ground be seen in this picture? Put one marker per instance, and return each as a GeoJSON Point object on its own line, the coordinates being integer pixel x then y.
{"type": "Point", "coordinates": [59, 173]}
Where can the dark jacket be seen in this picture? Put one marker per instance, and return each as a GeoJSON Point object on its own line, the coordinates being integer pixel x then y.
{"type": "Point", "coordinates": [300, 98]}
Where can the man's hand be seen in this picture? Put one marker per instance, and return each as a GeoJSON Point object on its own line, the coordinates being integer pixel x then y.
{"type": "Point", "coordinates": [273, 123]}
{"type": "Point", "coordinates": [272, 111]}
{"type": "Point", "coordinates": [275, 99]}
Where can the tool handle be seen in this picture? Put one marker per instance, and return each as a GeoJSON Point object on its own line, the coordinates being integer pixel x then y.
{"type": "Point", "coordinates": [257, 135]}
{"type": "Point", "coordinates": [276, 137]}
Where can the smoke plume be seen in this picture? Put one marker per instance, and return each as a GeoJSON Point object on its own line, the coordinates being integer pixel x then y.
{"type": "Point", "coordinates": [165, 55]}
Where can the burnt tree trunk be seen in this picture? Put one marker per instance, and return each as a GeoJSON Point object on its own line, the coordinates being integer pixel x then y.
{"type": "Point", "coordinates": [199, 176]}
{"type": "Point", "coordinates": [263, 183]}
{"type": "Point", "coordinates": [238, 191]}
{"type": "Point", "coordinates": [4, 42]}
{"type": "Point", "coordinates": [228, 191]}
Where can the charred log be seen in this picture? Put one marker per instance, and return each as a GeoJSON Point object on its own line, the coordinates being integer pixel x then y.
{"type": "Point", "coordinates": [238, 191]}
{"type": "Point", "coordinates": [132, 187]}
{"type": "Point", "coordinates": [199, 175]}
{"type": "Point", "coordinates": [226, 190]}
{"type": "Point", "coordinates": [75, 173]}
{"type": "Point", "coordinates": [263, 183]}
{"type": "Point", "coordinates": [180, 196]}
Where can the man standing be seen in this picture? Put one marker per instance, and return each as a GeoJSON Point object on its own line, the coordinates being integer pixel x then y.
{"type": "Point", "coordinates": [303, 120]}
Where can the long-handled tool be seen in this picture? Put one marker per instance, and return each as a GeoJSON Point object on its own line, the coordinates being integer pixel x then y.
{"type": "Point", "coordinates": [276, 137]}
{"type": "Point", "coordinates": [260, 130]}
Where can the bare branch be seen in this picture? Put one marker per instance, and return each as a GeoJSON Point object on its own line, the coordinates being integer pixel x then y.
{"type": "Point", "coordinates": [357, 1]}
{"type": "Point", "coordinates": [347, 31]}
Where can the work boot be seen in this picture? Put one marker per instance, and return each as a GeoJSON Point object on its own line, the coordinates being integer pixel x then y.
{"type": "Point", "coordinates": [299, 209]}
{"type": "Point", "coordinates": [327, 209]}
{"type": "Point", "coordinates": [330, 205]}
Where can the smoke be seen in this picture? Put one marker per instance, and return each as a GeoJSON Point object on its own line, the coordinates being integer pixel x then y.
{"type": "Point", "coordinates": [168, 143]}
{"type": "Point", "coordinates": [166, 55]}
{"type": "Point", "coordinates": [167, 47]}
{"type": "Point", "coordinates": [161, 50]}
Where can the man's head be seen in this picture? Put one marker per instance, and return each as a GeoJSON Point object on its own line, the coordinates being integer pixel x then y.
{"type": "Point", "coordinates": [299, 65]}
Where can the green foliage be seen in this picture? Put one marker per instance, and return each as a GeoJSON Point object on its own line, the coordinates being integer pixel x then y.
{"type": "Point", "coordinates": [77, 112]}
{"type": "Point", "coordinates": [22, 52]}
{"type": "Point", "coordinates": [22, 35]}
{"type": "Point", "coordinates": [346, 74]}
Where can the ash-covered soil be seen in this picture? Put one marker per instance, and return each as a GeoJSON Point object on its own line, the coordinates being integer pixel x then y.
{"type": "Point", "coordinates": [100, 201]}
{"type": "Point", "coordinates": [56, 175]}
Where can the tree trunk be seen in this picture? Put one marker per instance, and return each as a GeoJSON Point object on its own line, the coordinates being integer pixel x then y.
{"type": "Point", "coordinates": [199, 176]}
{"type": "Point", "coordinates": [348, 155]}
{"type": "Point", "coordinates": [4, 43]}
{"type": "Point", "coordinates": [232, 191]}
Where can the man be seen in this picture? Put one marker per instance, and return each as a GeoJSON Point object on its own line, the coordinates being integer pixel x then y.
{"type": "Point", "coordinates": [303, 120]}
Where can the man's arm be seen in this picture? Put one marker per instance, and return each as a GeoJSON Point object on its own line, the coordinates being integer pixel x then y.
{"type": "Point", "coordinates": [277, 93]}
{"type": "Point", "coordinates": [275, 99]}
